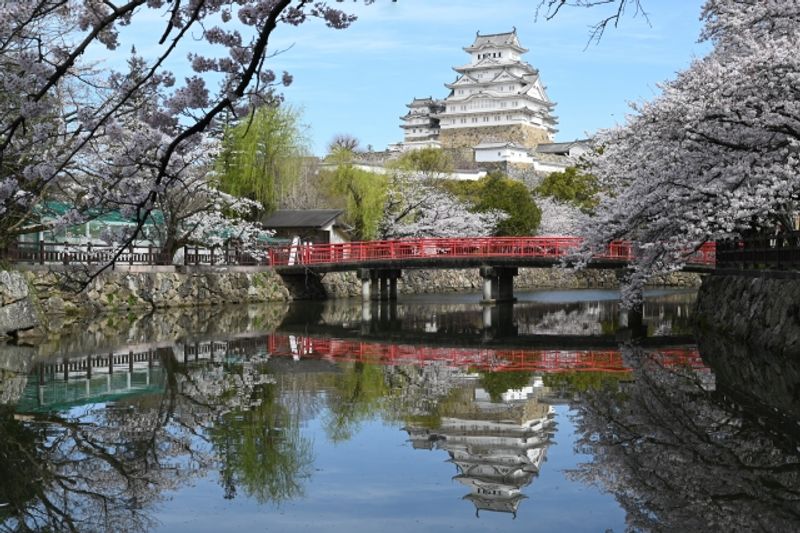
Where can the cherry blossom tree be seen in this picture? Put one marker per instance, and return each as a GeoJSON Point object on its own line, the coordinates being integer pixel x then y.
{"type": "Point", "coordinates": [195, 211]}
{"type": "Point", "coordinates": [416, 207]}
{"type": "Point", "coordinates": [62, 122]}
{"type": "Point", "coordinates": [617, 9]}
{"type": "Point", "coordinates": [558, 218]}
{"type": "Point", "coordinates": [717, 153]}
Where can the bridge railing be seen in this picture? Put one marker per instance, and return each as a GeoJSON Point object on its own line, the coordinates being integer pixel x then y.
{"type": "Point", "coordinates": [779, 251]}
{"type": "Point", "coordinates": [488, 247]}
{"type": "Point", "coordinates": [544, 361]}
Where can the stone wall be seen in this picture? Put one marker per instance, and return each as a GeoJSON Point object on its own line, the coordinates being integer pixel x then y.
{"type": "Point", "coordinates": [762, 309]}
{"type": "Point", "coordinates": [39, 298]}
{"type": "Point", "coordinates": [528, 136]}
{"type": "Point", "coordinates": [346, 284]}
{"type": "Point", "coordinates": [17, 311]}
{"type": "Point", "coordinates": [43, 299]}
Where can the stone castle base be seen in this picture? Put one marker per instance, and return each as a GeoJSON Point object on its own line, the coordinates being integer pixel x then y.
{"type": "Point", "coordinates": [523, 134]}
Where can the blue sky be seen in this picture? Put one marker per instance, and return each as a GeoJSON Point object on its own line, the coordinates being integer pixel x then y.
{"type": "Point", "coordinates": [359, 80]}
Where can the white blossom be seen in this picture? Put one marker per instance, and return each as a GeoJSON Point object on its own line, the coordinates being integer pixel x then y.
{"type": "Point", "coordinates": [718, 152]}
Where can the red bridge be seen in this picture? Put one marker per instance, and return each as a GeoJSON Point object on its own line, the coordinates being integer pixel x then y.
{"type": "Point", "coordinates": [480, 359]}
{"type": "Point", "coordinates": [380, 262]}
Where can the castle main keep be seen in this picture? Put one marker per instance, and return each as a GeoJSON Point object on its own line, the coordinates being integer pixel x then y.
{"type": "Point", "coordinates": [497, 98]}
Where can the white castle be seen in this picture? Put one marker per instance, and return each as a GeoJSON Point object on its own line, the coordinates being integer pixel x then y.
{"type": "Point", "coordinates": [497, 106]}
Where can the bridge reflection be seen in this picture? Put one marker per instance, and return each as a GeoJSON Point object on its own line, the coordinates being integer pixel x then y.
{"type": "Point", "coordinates": [478, 359]}
{"type": "Point", "coordinates": [64, 381]}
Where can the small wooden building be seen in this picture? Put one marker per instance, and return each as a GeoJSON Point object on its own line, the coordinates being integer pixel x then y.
{"type": "Point", "coordinates": [318, 226]}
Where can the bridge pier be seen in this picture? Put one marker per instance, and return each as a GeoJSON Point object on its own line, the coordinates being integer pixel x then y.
{"type": "Point", "coordinates": [498, 284]}
{"type": "Point", "coordinates": [379, 284]}
{"type": "Point", "coordinates": [498, 321]}
{"type": "Point", "coordinates": [384, 287]}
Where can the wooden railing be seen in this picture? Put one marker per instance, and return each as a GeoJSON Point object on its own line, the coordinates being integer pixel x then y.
{"type": "Point", "coordinates": [90, 254]}
{"type": "Point", "coordinates": [223, 256]}
{"type": "Point", "coordinates": [780, 251]}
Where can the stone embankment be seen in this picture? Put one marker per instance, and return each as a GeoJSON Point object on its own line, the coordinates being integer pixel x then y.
{"type": "Point", "coordinates": [17, 311]}
{"type": "Point", "coordinates": [42, 300]}
{"type": "Point", "coordinates": [761, 309]}
{"type": "Point", "coordinates": [38, 301]}
{"type": "Point", "coordinates": [346, 284]}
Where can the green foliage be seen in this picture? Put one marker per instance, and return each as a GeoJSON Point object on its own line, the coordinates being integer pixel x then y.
{"type": "Point", "coordinates": [496, 383]}
{"type": "Point", "coordinates": [362, 193]}
{"type": "Point", "coordinates": [496, 191]}
{"type": "Point", "coordinates": [262, 155]}
{"type": "Point", "coordinates": [427, 160]}
{"type": "Point", "coordinates": [571, 186]}
{"type": "Point", "coordinates": [262, 449]}
{"type": "Point", "coordinates": [355, 396]}
{"type": "Point", "coordinates": [583, 381]}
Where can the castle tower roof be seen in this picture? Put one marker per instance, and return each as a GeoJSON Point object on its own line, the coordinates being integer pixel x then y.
{"type": "Point", "coordinates": [496, 40]}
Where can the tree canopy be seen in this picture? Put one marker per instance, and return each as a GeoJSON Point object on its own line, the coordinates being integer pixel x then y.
{"type": "Point", "coordinates": [417, 207]}
{"type": "Point", "coordinates": [497, 192]}
{"type": "Point", "coordinates": [262, 155]}
{"type": "Point", "coordinates": [716, 154]}
{"type": "Point", "coordinates": [362, 193]}
{"type": "Point", "coordinates": [62, 123]}
{"type": "Point", "coordinates": [429, 161]}
{"type": "Point", "coordinates": [571, 186]}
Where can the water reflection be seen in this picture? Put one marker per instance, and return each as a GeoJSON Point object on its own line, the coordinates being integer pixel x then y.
{"type": "Point", "coordinates": [496, 433]}
{"type": "Point", "coordinates": [682, 454]}
{"type": "Point", "coordinates": [100, 431]}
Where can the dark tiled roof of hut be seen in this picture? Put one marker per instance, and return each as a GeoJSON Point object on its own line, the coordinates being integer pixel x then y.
{"type": "Point", "coordinates": [301, 218]}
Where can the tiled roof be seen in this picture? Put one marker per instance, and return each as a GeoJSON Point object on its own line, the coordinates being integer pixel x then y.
{"type": "Point", "coordinates": [561, 148]}
{"type": "Point", "coordinates": [301, 218]}
{"type": "Point", "coordinates": [507, 38]}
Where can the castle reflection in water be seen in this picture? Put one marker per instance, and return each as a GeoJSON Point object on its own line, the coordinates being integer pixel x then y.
{"type": "Point", "coordinates": [498, 447]}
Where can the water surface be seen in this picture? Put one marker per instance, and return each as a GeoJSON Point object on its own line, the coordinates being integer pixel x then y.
{"type": "Point", "coordinates": [560, 413]}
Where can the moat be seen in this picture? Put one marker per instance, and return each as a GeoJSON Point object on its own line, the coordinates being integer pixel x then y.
{"type": "Point", "coordinates": [559, 413]}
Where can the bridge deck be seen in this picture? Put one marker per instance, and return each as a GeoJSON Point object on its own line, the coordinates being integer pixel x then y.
{"type": "Point", "coordinates": [459, 253]}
